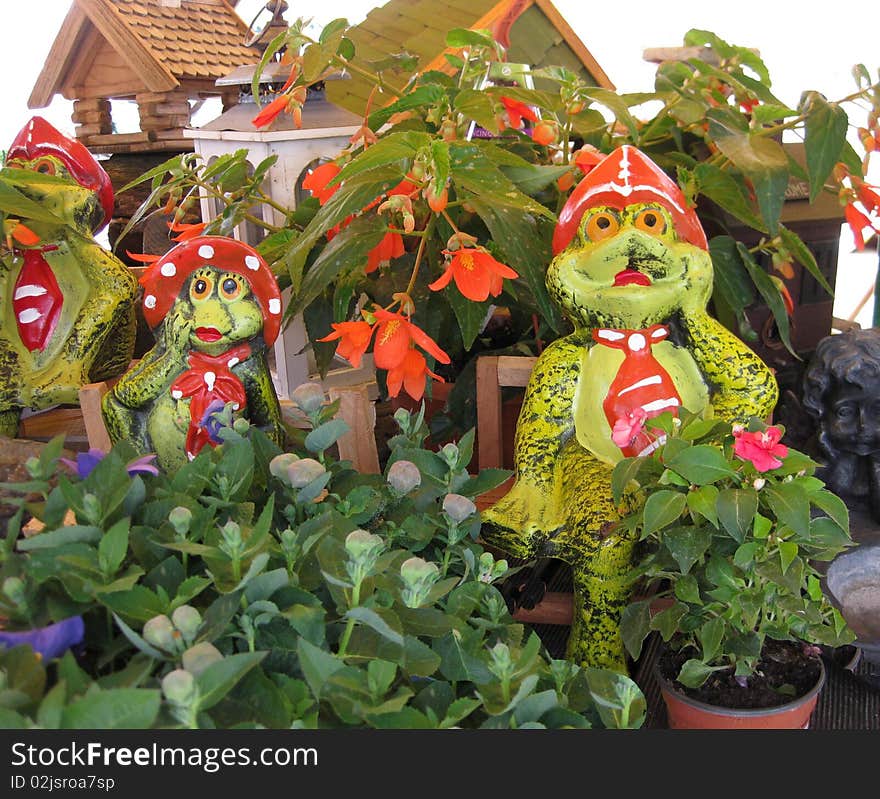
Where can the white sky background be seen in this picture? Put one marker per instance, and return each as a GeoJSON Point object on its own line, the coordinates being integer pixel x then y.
{"type": "Point", "coordinates": [805, 46]}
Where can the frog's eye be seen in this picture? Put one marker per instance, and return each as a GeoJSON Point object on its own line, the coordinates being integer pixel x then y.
{"type": "Point", "coordinates": [230, 288]}
{"type": "Point", "coordinates": [45, 166]}
{"type": "Point", "coordinates": [201, 288]}
{"type": "Point", "coordinates": [651, 221]}
{"type": "Point", "coordinates": [601, 225]}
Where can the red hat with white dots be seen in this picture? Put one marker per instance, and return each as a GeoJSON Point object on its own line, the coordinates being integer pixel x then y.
{"type": "Point", "coordinates": [165, 278]}
{"type": "Point", "coordinates": [626, 177]}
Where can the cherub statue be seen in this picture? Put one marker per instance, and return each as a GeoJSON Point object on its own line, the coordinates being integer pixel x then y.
{"type": "Point", "coordinates": [842, 392]}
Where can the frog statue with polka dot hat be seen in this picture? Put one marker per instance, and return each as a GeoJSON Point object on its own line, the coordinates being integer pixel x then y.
{"type": "Point", "coordinates": [67, 306]}
{"type": "Point", "coordinates": [632, 271]}
{"type": "Point", "coordinates": [214, 307]}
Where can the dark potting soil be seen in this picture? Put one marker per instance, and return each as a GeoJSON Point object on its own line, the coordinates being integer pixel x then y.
{"type": "Point", "coordinates": [785, 672]}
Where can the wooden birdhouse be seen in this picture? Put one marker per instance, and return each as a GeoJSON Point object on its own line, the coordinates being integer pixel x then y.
{"type": "Point", "coordinates": [163, 54]}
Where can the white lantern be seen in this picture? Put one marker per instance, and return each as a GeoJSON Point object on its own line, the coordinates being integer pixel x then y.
{"type": "Point", "coordinates": [326, 130]}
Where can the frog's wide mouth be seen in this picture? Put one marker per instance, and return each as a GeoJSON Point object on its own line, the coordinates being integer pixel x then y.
{"type": "Point", "coordinates": [631, 277]}
{"type": "Point", "coordinates": [208, 334]}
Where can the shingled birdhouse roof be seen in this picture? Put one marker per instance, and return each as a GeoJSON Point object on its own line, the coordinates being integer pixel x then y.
{"type": "Point", "coordinates": [118, 48]}
{"type": "Point", "coordinates": [538, 36]}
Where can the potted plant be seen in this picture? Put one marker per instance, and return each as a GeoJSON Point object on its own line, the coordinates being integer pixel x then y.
{"type": "Point", "coordinates": [261, 588]}
{"type": "Point", "coordinates": [731, 523]}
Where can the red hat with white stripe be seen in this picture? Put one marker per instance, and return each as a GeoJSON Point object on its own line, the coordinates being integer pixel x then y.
{"type": "Point", "coordinates": [625, 177]}
{"type": "Point", "coordinates": [165, 278]}
{"type": "Point", "coordinates": [39, 138]}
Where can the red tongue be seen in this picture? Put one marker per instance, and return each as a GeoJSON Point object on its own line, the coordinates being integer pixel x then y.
{"type": "Point", "coordinates": [631, 277]}
{"type": "Point", "coordinates": [208, 333]}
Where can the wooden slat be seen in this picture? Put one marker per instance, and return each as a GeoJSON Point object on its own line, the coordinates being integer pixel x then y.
{"type": "Point", "coordinates": [358, 445]}
{"type": "Point", "coordinates": [90, 397]}
{"type": "Point", "coordinates": [515, 370]}
{"type": "Point", "coordinates": [489, 428]}
{"type": "Point", "coordinates": [57, 421]}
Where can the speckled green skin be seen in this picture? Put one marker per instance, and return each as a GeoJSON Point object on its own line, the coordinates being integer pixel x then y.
{"type": "Point", "coordinates": [95, 333]}
{"type": "Point", "coordinates": [561, 505]}
{"type": "Point", "coordinates": [140, 407]}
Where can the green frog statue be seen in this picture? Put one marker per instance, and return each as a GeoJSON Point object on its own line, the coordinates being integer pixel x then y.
{"type": "Point", "coordinates": [632, 271]}
{"type": "Point", "coordinates": [214, 307]}
{"type": "Point", "coordinates": [67, 305]}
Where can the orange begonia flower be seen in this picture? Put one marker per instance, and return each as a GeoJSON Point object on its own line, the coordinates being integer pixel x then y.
{"type": "Point", "coordinates": [317, 180]}
{"type": "Point", "coordinates": [857, 222]}
{"type": "Point", "coordinates": [143, 257]}
{"type": "Point", "coordinates": [868, 196]}
{"type": "Point", "coordinates": [354, 338]}
{"type": "Point", "coordinates": [410, 376]}
{"type": "Point", "coordinates": [185, 230]}
{"type": "Point", "coordinates": [389, 248]}
{"type": "Point", "coordinates": [517, 111]}
{"type": "Point", "coordinates": [24, 235]}
{"type": "Point", "coordinates": [395, 336]}
{"type": "Point", "coordinates": [477, 274]}
{"type": "Point", "coordinates": [268, 113]}
{"type": "Point", "coordinates": [587, 157]}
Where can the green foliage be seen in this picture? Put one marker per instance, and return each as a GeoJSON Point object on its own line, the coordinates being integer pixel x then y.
{"type": "Point", "coordinates": [733, 548]}
{"type": "Point", "coordinates": [716, 128]}
{"type": "Point", "coordinates": [256, 588]}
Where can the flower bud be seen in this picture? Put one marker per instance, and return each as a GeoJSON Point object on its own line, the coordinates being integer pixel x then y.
{"type": "Point", "coordinates": [179, 687]}
{"type": "Point", "coordinates": [279, 465]}
{"type": "Point", "coordinates": [363, 546]}
{"type": "Point", "coordinates": [241, 426]}
{"type": "Point", "coordinates": [418, 577]}
{"type": "Point", "coordinates": [180, 519]}
{"type": "Point", "coordinates": [13, 587]}
{"type": "Point", "coordinates": [303, 472]}
{"type": "Point", "coordinates": [160, 632]}
{"type": "Point", "coordinates": [458, 508]}
{"type": "Point", "coordinates": [308, 397]}
{"type": "Point", "coordinates": [197, 658]}
{"type": "Point", "coordinates": [759, 483]}
{"type": "Point", "coordinates": [404, 476]}
{"type": "Point", "coordinates": [33, 467]}
{"type": "Point", "coordinates": [449, 453]}
{"type": "Point", "coordinates": [188, 620]}
{"type": "Point", "coordinates": [91, 507]}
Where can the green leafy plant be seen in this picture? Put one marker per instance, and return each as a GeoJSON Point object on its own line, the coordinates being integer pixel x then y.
{"type": "Point", "coordinates": [731, 525]}
{"type": "Point", "coordinates": [261, 588]}
{"type": "Point", "coordinates": [425, 222]}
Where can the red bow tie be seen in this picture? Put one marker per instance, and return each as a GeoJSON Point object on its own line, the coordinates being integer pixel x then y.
{"type": "Point", "coordinates": [209, 380]}
{"type": "Point", "coordinates": [641, 386]}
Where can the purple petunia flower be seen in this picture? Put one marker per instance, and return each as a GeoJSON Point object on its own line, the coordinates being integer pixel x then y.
{"type": "Point", "coordinates": [51, 641]}
{"type": "Point", "coordinates": [210, 423]}
{"type": "Point", "coordinates": [86, 462]}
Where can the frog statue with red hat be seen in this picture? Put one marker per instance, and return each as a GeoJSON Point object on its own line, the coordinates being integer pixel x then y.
{"type": "Point", "coordinates": [67, 305]}
{"type": "Point", "coordinates": [214, 307]}
{"type": "Point", "coordinates": [632, 271]}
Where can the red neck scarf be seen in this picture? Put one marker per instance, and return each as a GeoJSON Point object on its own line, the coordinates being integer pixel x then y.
{"type": "Point", "coordinates": [641, 382]}
{"type": "Point", "coordinates": [209, 380]}
{"type": "Point", "coordinates": [36, 299]}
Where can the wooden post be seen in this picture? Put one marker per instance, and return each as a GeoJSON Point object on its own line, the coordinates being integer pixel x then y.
{"type": "Point", "coordinates": [489, 428]}
{"type": "Point", "coordinates": [90, 396]}
{"type": "Point", "coordinates": [358, 445]}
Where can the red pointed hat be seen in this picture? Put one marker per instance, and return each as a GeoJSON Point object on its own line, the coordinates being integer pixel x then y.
{"type": "Point", "coordinates": [625, 177]}
{"type": "Point", "coordinates": [39, 138]}
{"type": "Point", "coordinates": [165, 278]}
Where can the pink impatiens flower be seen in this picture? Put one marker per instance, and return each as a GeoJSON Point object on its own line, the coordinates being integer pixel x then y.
{"type": "Point", "coordinates": [627, 428]}
{"type": "Point", "coordinates": [761, 449]}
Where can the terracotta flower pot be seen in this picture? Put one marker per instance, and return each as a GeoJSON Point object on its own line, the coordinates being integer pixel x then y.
{"type": "Point", "coordinates": [685, 713]}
